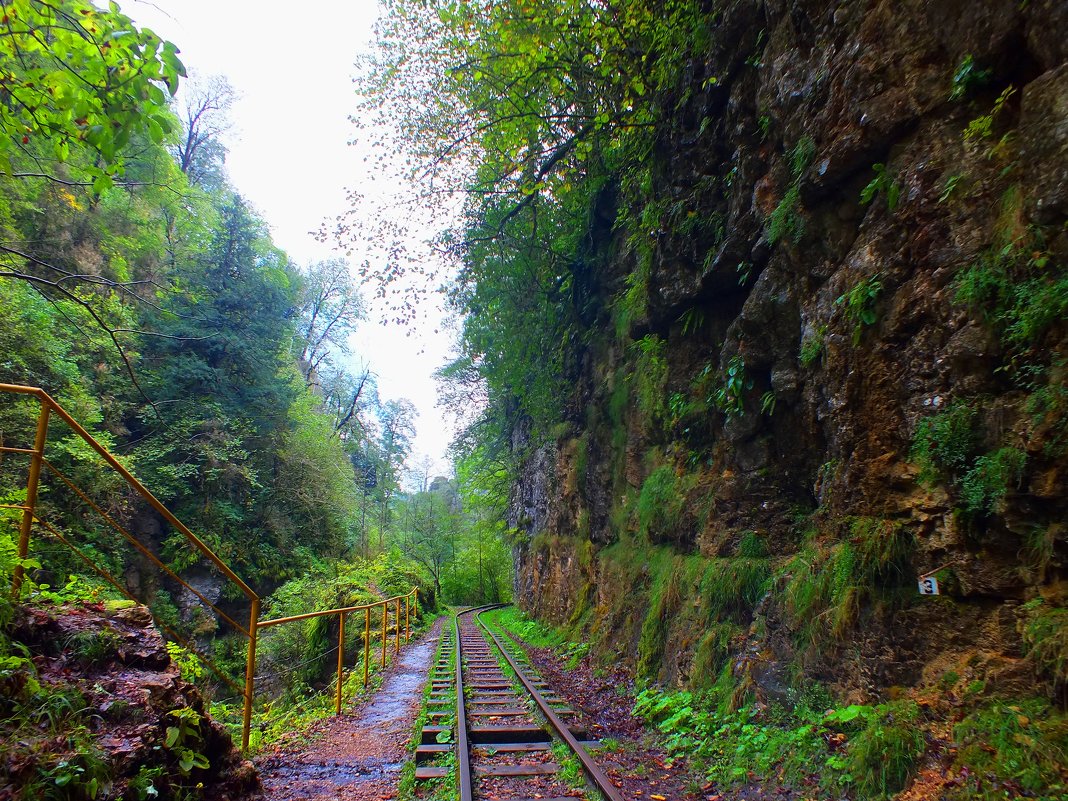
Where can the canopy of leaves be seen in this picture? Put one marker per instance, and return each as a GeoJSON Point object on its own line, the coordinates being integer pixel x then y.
{"type": "Point", "coordinates": [74, 76]}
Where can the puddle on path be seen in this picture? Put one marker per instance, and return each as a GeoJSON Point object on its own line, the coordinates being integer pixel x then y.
{"type": "Point", "coordinates": [356, 757]}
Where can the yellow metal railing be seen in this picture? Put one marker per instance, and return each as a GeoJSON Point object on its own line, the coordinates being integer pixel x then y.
{"type": "Point", "coordinates": [49, 409]}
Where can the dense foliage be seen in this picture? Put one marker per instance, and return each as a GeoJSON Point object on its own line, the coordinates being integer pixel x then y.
{"type": "Point", "coordinates": [532, 113]}
{"type": "Point", "coordinates": [145, 294]}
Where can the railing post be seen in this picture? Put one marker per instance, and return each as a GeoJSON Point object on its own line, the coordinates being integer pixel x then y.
{"type": "Point", "coordinates": [340, 657]}
{"type": "Point", "coordinates": [366, 645]}
{"type": "Point", "coordinates": [385, 639]}
{"type": "Point", "coordinates": [407, 618]}
{"type": "Point", "coordinates": [396, 648]}
{"type": "Point", "coordinates": [32, 481]}
{"type": "Point", "coordinates": [250, 672]}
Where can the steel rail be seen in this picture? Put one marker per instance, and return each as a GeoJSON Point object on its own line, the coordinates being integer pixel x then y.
{"type": "Point", "coordinates": [593, 771]}
{"type": "Point", "coordinates": [463, 748]}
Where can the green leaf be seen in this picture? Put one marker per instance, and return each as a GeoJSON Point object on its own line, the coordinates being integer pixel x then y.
{"type": "Point", "coordinates": [155, 131]}
{"type": "Point", "coordinates": [102, 183]}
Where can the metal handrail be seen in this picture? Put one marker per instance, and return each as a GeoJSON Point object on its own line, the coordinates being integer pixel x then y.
{"type": "Point", "coordinates": [50, 407]}
{"type": "Point", "coordinates": [411, 602]}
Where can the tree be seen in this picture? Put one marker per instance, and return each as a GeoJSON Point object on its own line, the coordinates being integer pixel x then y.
{"type": "Point", "coordinates": [397, 422]}
{"type": "Point", "coordinates": [429, 534]}
{"type": "Point", "coordinates": [331, 308]}
{"type": "Point", "coordinates": [204, 118]}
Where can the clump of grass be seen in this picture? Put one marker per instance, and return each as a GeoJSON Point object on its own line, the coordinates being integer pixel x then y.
{"type": "Point", "coordinates": [829, 584]}
{"type": "Point", "coordinates": [661, 503]}
{"type": "Point", "coordinates": [712, 654]}
{"type": "Point", "coordinates": [751, 545]}
{"type": "Point", "coordinates": [732, 587]}
{"type": "Point", "coordinates": [664, 597]}
{"type": "Point", "coordinates": [95, 645]}
{"type": "Point", "coordinates": [813, 346]}
{"type": "Point", "coordinates": [1004, 744]}
{"type": "Point", "coordinates": [1045, 636]}
{"type": "Point", "coordinates": [883, 753]}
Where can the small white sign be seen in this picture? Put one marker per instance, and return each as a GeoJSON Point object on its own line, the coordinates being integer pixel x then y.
{"type": "Point", "coordinates": [929, 586]}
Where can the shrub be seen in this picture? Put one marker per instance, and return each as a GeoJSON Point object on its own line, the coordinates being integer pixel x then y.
{"type": "Point", "coordinates": [984, 486]}
{"type": "Point", "coordinates": [883, 184]}
{"type": "Point", "coordinates": [945, 443]}
{"type": "Point", "coordinates": [729, 395]}
{"type": "Point", "coordinates": [858, 304]}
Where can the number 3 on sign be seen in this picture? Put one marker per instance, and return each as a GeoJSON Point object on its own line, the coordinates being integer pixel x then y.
{"type": "Point", "coordinates": [929, 586]}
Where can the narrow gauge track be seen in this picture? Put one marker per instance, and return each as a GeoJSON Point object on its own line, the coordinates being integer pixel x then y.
{"type": "Point", "coordinates": [505, 727]}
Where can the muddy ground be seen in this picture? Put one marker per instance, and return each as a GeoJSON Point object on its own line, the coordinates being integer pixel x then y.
{"type": "Point", "coordinates": [356, 756]}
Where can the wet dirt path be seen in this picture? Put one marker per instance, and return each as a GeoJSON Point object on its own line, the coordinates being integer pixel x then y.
{"type": "Point", "coordinates": [357, 756]}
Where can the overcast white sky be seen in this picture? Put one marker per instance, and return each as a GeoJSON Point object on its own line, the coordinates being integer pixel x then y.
{"type": "Point", "coordinates": [292, 65]}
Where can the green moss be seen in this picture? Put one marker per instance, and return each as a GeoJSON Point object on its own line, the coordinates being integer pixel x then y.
{"type": "Point", "coordinates": [582, 458]}
{"type": "Point", "coordinates": [661, 504]}
{"type": "Point", "coordinates": [582, 525]}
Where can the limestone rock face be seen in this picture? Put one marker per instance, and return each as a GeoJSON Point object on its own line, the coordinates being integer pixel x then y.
{"type": "Point", "coordinates": [852, 329]}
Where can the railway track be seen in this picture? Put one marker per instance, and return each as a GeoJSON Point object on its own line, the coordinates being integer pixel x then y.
{"type": "Point", "coordinates": [507, 736]}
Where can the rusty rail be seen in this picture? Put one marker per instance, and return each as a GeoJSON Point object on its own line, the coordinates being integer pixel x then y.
{"type": "Point", "coordinates": [49, 408]}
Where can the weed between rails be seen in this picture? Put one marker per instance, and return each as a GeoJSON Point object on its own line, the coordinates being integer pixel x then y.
{"type": "Point", "coordinates": [447, 787]}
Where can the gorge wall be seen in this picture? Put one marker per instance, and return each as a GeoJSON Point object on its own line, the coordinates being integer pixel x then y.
{"type": "Point", "coordinates": [827, 359]}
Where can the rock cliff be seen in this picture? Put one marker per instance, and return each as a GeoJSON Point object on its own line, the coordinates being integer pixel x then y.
{"type": "Point", "coordinates": [827, 361]}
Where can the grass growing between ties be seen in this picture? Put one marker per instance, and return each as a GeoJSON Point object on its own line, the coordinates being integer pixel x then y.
{"type": "Point", "coordinates": [570, 768]}
{"type": "Point", "coordinates": [445, 788]}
